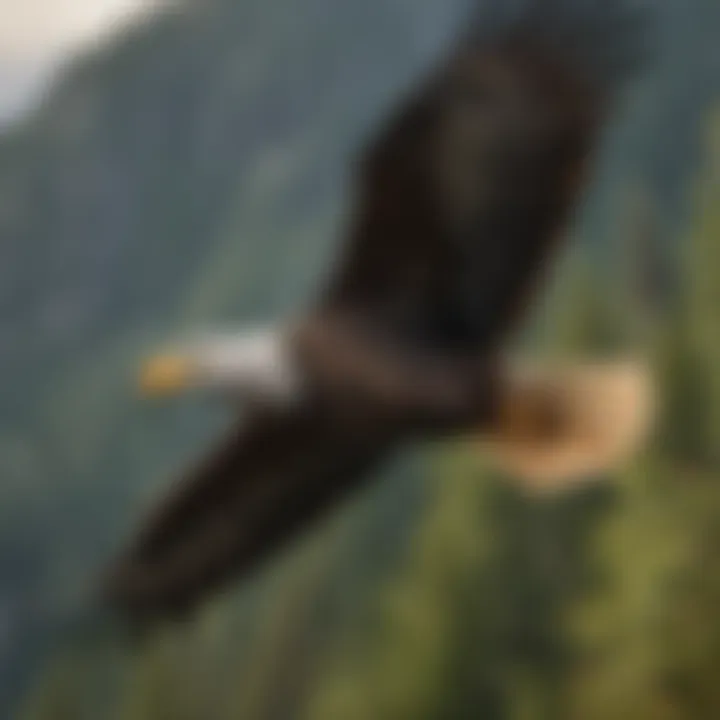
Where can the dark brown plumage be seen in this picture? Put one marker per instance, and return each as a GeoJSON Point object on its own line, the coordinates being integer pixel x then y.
{"type": "Point", "coordinates": [460, 201]}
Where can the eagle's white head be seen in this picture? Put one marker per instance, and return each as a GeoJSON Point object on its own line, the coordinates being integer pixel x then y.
{"type": "Point", "coordinates": [253, 364]}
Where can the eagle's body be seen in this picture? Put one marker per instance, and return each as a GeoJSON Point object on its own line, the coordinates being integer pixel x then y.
{"type": "Point", "coordinates": [460, 202]}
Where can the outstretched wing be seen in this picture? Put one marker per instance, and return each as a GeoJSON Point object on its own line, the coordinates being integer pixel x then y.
{"type": "Point", "coordinates": [464, 194]}
{"type": "Point", "coordinates": [272, 476]}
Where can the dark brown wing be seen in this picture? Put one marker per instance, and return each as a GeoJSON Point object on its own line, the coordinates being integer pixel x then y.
{"type": "Point", "coordinates": [270, 478]}
{"type": "Point", "coordinates": [464, 194]}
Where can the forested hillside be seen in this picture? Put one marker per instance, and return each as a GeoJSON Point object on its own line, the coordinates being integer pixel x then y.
{"type": "Point", "coordinates": [195, 171]}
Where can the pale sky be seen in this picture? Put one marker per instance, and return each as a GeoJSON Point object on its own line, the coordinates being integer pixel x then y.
{"type": "Point", "coordinates": [35, 36]}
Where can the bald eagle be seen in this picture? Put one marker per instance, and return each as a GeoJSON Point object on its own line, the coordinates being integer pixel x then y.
{"type": "Point", "coordinates": [461, 199]}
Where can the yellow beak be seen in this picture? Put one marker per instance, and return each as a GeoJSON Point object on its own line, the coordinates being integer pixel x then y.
{"type": "Point", "coordinates": [166, 374]}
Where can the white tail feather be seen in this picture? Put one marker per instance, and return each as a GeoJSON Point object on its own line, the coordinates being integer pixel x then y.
{"type": "Point", "coordinates": [600, 413]}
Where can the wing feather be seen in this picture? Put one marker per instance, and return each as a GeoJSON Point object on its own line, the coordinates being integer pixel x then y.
{"type": "Point", "coordinates": [253, 494]}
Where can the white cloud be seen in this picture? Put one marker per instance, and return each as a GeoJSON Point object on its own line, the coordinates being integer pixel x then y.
{"type": "Point", "coordinates": [35, 36]}
{"type": "Point", "coordinates": [32, 27]}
